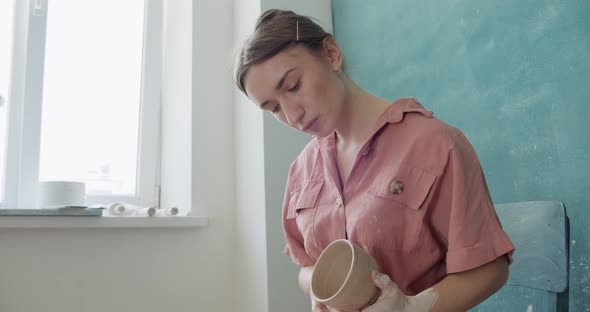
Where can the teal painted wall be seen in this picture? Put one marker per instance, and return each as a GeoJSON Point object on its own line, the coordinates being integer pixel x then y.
{"type": "Point", "coordinates": [513, 75]}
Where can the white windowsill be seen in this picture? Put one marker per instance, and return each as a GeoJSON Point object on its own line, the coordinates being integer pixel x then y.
{"type": "Point", "coordinates": [79, 222]}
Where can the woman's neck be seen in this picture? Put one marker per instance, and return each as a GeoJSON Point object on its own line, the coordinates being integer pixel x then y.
{"type": "Point", "coordinates": [359, 115]}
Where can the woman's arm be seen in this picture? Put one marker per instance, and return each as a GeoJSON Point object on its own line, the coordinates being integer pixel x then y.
{"type": "Point", "coordinates": [462, 291]}
{"type": "Point", "coordinates": [305, 279]}
{"type": "Point", "coordinates": [457, 292]}
{"type": "Point", "coordinates": [305, 284]}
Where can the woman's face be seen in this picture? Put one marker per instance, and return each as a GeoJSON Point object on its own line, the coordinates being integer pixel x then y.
{"type": "Point", "coordinates": [299, 88]}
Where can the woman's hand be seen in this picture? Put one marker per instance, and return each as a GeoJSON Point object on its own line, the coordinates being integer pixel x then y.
{"type": "Point", "coordinates": [392, 299]}
{"type": "Point", "coordinates": [316, 306]}
{"type": "Point", "coordinates": [319, 307]}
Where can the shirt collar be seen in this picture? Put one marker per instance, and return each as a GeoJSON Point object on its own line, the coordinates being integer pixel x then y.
{"type": "Point", "coordinates": [393, 114]}
{"type": "Point", "coordinates": [396, 111]}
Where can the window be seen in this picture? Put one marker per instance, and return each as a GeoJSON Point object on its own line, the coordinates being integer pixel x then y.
{"type": "Point", "coordinates": [84, 99]}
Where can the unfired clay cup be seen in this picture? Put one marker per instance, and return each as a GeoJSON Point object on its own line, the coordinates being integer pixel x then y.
{"type": "Point", "coordinates": [341, 277]}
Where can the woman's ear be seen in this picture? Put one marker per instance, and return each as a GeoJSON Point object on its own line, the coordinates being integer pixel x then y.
{"type": "Point", "coordinates": [333, 53]}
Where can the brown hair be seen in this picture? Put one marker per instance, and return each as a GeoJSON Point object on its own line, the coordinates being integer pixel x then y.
{"type": "Point", "coordinates": [275, 31]}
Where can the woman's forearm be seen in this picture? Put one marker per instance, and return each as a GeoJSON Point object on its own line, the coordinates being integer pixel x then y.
{"type": "Point", "coordinates": [462, 291]}
{"type": "Point", "coordinates": [457, 292]}
{"type": "Point", "coordinates": [305, 279]}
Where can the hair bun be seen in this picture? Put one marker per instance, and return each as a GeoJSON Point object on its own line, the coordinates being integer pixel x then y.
{"type": "Point", "coordinates": [271, 14]}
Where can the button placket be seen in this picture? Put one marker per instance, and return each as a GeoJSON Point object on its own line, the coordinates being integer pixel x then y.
{"type": "Point", "coordinates": [339, 201]}
{"type": "Point", "coordinates": [367, 150]}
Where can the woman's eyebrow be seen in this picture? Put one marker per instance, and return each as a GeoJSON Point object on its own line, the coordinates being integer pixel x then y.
{"type": "Point", "coordinates": [282, 80]}
{"type": "Point", "coordinates": [279, 84]}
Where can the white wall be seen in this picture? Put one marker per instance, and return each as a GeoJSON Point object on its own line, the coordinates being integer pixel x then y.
{"type": "Point", "coordinates": [250, 243]}
{"type": "Point", "coordinates": [319, 10]}
{"type": "Point", "coordinates": [149, 270]}
{"type": "Point", "coordinates": [107, 270]}
{"type": "Point", "coordinates": [264, 152]}
{"type": "Point", "coordinates": [212, 153]}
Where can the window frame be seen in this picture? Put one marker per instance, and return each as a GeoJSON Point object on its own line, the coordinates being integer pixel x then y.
{"type": "Point", "coordinates": [25, 105]}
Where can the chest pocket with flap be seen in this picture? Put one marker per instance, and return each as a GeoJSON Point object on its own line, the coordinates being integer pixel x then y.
{"type": "Point", "coordinates": [393, 208]}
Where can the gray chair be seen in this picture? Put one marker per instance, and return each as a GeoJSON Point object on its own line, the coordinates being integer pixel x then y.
{"type": "Point", "coordinates": [538, 278]}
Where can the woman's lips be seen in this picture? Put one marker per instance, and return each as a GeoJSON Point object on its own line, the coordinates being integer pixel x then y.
{"type": "Point", "coordinates": [310, 127]}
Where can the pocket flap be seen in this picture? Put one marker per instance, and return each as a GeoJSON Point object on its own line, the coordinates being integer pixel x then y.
{"type": "Point", "coordinates": [409, 185]}
{"type": "Point", "coordinates": [303, 197]}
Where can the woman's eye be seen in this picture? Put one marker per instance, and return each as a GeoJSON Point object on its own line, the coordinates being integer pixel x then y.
{"type": "Point", "coordinates": [295, 87]}
{"type": "Point", "coordinates": [276, 109]}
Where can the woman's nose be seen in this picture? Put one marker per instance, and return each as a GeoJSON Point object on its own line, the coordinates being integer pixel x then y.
{"type": "Point", "coordinates": [293, 114]}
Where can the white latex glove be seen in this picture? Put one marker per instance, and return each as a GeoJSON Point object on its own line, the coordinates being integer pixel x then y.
{"type": "Point", "coordinates": [316, 306]}
{"type": "Point", "coordinates": [392, 299]}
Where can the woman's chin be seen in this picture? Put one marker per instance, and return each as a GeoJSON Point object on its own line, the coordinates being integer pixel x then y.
{"type": "Point", "coordinates": [322, 134]}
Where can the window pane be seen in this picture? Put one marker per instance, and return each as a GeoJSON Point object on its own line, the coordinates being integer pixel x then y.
{"type": "Point", "coordinates": [6, 14]}
{"type": "Point", "coordinates": [91, 94]}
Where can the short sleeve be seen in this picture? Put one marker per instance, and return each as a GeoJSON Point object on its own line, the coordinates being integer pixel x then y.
{"type": "Point", "coordinates": [294, 247]}
{"type": "Point", "coordinates": [464, 215]}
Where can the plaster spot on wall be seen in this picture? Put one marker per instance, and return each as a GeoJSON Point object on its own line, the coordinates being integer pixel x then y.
{"type": "Point", "coordinates": [525, 149]}
{"type": "Point", "coordinates": [491, 44]}
{"type": "Point", "coordinates": [546, 19]}
{"type": "Point", "coordinates": [526, 99]}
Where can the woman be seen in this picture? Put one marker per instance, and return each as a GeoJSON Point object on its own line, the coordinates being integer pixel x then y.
{"type": "Point", "coordinates": [405, 186]}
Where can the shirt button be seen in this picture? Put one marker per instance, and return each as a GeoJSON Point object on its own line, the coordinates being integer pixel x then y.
{"type": "Point", "coordinates": [396, 187]}
{"type": "Point", "coordinates": [338, 201]}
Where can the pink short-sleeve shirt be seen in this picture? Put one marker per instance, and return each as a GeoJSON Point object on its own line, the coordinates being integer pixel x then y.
{"type": "Point", "coordinates": [416, 199]}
